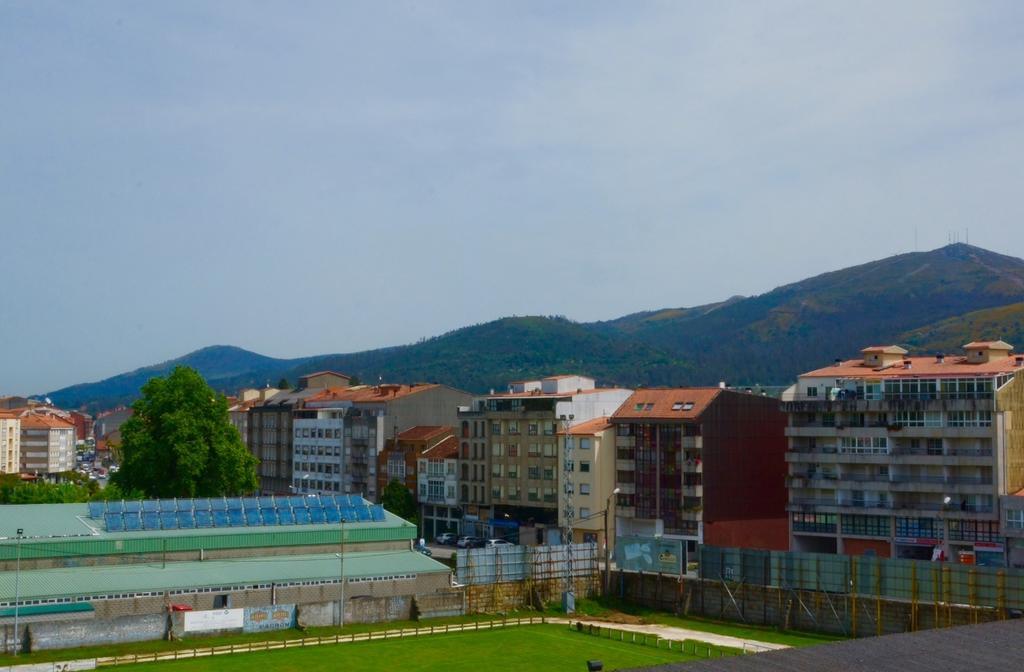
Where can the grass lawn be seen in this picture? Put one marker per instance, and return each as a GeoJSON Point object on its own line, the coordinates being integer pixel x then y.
{"type": "Point", "coordinates": [609, 607]}
{"type": "Point", "coordinates": [537, 648]}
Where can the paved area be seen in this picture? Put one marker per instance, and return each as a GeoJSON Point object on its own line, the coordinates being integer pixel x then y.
{"type": "Point", "coordinates": [679, 634]}
{"type": "Point", "coordinates": [441, 552]}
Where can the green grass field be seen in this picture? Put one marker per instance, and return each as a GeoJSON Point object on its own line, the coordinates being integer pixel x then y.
{"type": "Point", "coordinates": [538, 648]}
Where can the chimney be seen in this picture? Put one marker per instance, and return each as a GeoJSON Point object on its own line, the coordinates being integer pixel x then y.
{"type": "Point", "coordinates": [940, 358]}
{"type": "Point", "coordinates": [721, 385]}
{"type": "Point", "coordinates": [907, 364]}
{"type": "Point", "coordinates": [1018, 360]}
{"type": "Point", "coordinates": [837, 362]}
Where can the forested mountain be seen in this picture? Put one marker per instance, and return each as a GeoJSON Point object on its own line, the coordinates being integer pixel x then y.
{"type": "Point", "coordinates": [927, 301]}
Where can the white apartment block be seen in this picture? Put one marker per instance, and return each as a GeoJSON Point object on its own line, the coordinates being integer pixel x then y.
{"type": "Point", "coordinates": [47, 444]}
{"type": "Point", "coordinates": [10, 443]}
{"type": "Point", "coordinates": [906, 457]}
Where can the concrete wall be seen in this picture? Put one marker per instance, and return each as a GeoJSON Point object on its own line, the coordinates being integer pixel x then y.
{"type": "Point", "coordinates": [72, 634]}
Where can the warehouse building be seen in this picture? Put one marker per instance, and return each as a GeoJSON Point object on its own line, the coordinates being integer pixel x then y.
{"type": "Point", "coordinates": [99, 573]}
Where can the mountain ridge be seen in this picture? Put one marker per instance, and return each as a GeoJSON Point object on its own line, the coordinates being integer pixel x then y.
{"type": "Point", "coordinates": [918, 298]}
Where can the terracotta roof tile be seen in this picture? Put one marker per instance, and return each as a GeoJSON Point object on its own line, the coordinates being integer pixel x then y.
{"type": "Point", "coordinates": [367, 393]}
{"type": "Point", "coordinates": [927, 367]}
{"type": "Point", "coordinates": [589, 427]}
{"type": "Point", "coordinates": [40, 421]}
{"type": "Point", "coordinates": [443, 450]}
{"type": "Point", "coordinates": [667, 403]}
{"type": "Point", "coordinates": [423, 432]}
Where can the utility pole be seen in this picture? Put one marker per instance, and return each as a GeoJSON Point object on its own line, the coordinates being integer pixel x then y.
{"type": "Point", "coordinates": [568, 597]}
{"type": "Point", "coordinates": [17, 592]}
{"type": "Point", "coordinates": [607, 561]}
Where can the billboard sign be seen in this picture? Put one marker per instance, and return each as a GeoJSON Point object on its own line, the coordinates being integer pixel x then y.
{"type": "Point", "coordinates": [276, 617]}
{"type": "Point", "coordinates": [216, 619]}
{"type": "Point", "coordinates": [650, 554]}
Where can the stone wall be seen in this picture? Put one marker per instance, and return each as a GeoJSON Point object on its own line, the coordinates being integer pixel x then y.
{"type": "Point", "coordinates": [72, 634]}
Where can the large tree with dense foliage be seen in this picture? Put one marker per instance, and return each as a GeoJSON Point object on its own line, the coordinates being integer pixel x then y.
{"type": "Point", "coordinates": [180, 442]}
{"type": "Point", "coordinates": [397, 499]}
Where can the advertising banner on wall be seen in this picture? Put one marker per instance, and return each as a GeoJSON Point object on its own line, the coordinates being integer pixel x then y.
{"type": "Point", "coordinates": [650, 554]}
{"type": "Point", "coordinates": [276, 617]}
{"type": "Point", "coordinates": [216, 619]}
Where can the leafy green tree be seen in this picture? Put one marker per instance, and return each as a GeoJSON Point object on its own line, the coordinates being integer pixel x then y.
{"type": "Point", "coordinates": [180, 442]}
{"type": "Point", "coordinates": [397, 499]}
{"type": "Point", "coordinates": [283, 384]}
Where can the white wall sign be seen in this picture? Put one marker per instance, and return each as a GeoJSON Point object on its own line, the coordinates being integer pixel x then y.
{"type": "Point", "coordinates": [217, 619]}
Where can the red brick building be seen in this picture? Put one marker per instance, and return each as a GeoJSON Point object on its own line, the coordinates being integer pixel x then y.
{"type": "Point", "coordinates": [398, 459]}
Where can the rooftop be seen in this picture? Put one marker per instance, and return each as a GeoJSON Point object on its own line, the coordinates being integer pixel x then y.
{"type": "Point", "coordinates": [362, 394]}
{"type": "Point", "coordinates": [44, 421]}
{"type": "Point", "coordinates": [139, 578]}
{"type": "Point", "coordinates": [588, 427]}
{"type": "Point", "coordinates": [920, 367]}
{"type": "Point", "coordinates": [667, 403]}
{"type": "Point", "coordinates": [423, 432]}
{"type": "Point", "coordinates": [443, 450]}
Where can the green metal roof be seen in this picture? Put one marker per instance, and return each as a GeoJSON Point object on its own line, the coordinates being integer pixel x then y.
{"type": "Point", "coordinates": [120, 579]}
{"type": "Point", "coordinates": [47, 609]}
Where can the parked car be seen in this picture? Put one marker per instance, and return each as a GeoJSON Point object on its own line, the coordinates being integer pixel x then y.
{"type": "Point", "coordinates": [492, 543]}
{"type": "Point", "coordinates": [463, 541]}
{"type": "Point", "coordinates": [471, 542]}
{"type": "Point", "coordinates": [446, 539]}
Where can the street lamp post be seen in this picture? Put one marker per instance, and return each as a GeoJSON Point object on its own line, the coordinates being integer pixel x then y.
{"type": "Point", "coordinates": [341, 576]}
{"type": "Point", "coordinates": [607, 561]}
{"type": "Point", "coordinates": [17, 591]}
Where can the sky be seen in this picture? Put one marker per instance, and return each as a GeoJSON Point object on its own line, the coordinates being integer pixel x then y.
{"type": "Point", "coordinates": [316, 177]}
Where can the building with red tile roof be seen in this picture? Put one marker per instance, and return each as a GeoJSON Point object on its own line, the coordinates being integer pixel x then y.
{"type": "Point", "coordinates": [47, 443]}
{"type": "Point", "coordinates": [704, 465]}
{"type": "Point", "coordinates": [908, 456]}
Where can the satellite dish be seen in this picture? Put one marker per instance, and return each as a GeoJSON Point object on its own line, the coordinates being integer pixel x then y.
{"type": "Point", "coordinates": [48, 402]}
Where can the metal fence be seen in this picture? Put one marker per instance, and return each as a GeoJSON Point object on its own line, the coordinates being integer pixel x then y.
{"type": "Point", "coordinates": [866, 576]}
{"type": "Point", "coordinates": [517, 563]}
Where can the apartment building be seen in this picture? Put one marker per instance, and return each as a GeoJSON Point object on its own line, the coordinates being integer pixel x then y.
{"type": "Point", "coordinates": [437, 487]}
{"type": "Point", "coordinates": [239, 406]}
{"type": "Point", "coordinates": [398, 459]}
{"type": "Point", "coordinates": [906, 456]}
{"type": "Point", "coordinates": [588, 449]}
{"type": "Point", "coordinates": [47, 444]}
{"type": "Point", "coordinates": [339, 433]}
{"type": "Point", "coordinates": [704, 465]}
{"type": "Point", "coordinates": [10, 442]}
{"type": "Point", "coordinates": [269, 429]}
{"type": "Point", "coordinates": [509, 462]}
{"type": "Point", "coordinates": [1012, 528]}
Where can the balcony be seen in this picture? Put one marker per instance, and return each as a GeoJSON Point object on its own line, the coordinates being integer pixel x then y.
{"type": "Point", "coordinates": [693, 490]}
{"type": "Point", "coordinates": [929, 401]}
{"type": "Point", "coordinates": [693, 467]}
{"type": "Point", "coordinates": [692, 515]}
{"type": "Point", "coordinates": [693, 442]}
{"type": "Point", "coordinates": [625, 465]}
{"type": "Point", "coordinates": [626, 488]}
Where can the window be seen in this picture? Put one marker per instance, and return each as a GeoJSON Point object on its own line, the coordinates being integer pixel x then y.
{"type": "Point", "coordinates": [1015, 519]}
{"type": "Point", "coordinates": [496, 470]}
{"type": "Point", "coordinates": [496, 428]}
{"type": "Point", "coordinates": [531, 429]}
{"type": "Point", "coordinates": [533, 494]}
{"type": "Point", "coordinates": [584, 488]}
{"type": "Point", "coordinates": [585, 467]}
{"type": "Point", "coordinates": [513, 471]}
{"type": "Point", "coordinates": [585, 444]}
{"type": "Point", "coordinates": [918, 528]}
{"type": "Point", "coordinates": [822, 523]}
{"type": "Point", "coordinates": [533, 473]}
{"type": "Point", "coordinates": [973, 530]}
{"type": "Point", "coordinates": [812, 391]}
{"type": "Point", "coordinates": [678, 406]}
{"type": "Point", "coordinates": [513, 427]}
{"type": "Point", "coordinates": [649, 406]}
{"type": "Point", "coordinates": [221, 601]}
{"type": "Point", "coordinates": [549, 474]}
{"type": "Point", "coordinates": [549, 450]}
{"type": "Point", "coordinates": [534, 450]}
{"type": "Point", "coordinates": [867, 526]}
{"type": "Point", "coordinates": [513, 449]}
{"type": "Point", "coordinates": [497, 450]}
{"type": "Point", "coordinates": [584, 512]}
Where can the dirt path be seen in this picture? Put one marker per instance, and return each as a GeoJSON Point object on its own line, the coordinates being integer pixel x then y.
{"type": "Point", "coordinates": [679, 634]}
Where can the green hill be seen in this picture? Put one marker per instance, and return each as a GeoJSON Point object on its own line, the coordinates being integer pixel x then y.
{"type": "Point", "coordinates": [928, 301]}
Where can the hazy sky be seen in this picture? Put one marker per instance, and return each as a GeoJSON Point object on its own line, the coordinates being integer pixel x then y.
{"type": "Point", "coordinates": [302, 178]}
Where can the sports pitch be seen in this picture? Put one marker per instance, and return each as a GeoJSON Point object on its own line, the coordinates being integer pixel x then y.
{"type": "Point", "coordinates": [538, 648]}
